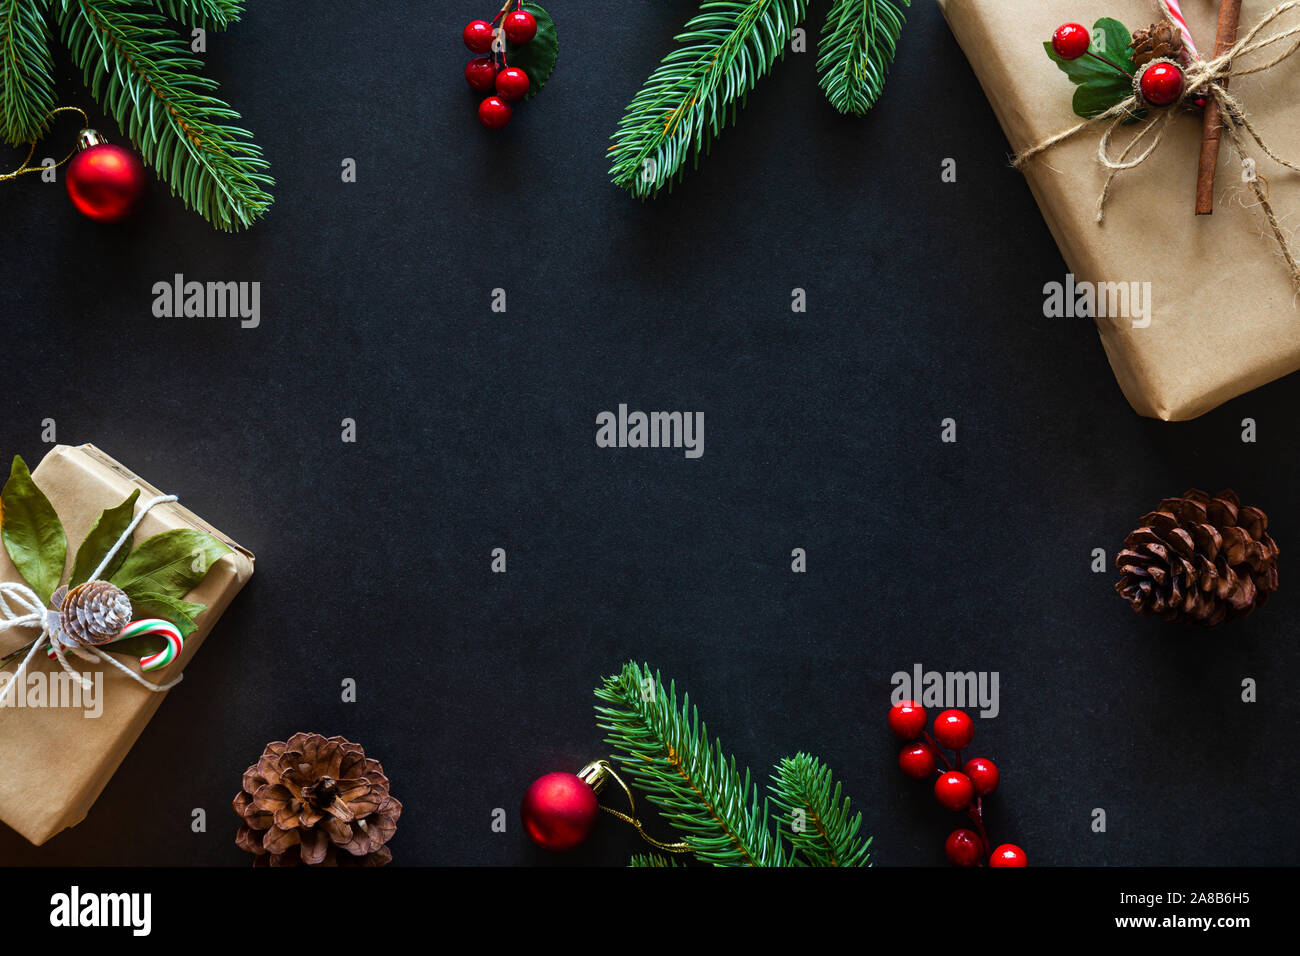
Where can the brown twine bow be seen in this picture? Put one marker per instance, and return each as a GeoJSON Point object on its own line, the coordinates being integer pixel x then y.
{"type": "Point", "coordinates": [1204, 78]}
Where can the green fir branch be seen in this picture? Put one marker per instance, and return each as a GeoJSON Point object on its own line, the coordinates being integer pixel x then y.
{"type": "Point", "coordinates": [652, 860]}
{"type": "Point", "coordinates": [815, 818]}
{"type": "Point", "coordinates": [855, 51]}
{"type": "Point", "coordinates": [697, 89]}
{"type": "Point", "coordinates": [667, 752]}
{"type": "Point", "coordinates": [26, 71]}
{"type": "Point", "coordinates": [208, 14]}
{"type": "Point", "coordinates": [142, 75]}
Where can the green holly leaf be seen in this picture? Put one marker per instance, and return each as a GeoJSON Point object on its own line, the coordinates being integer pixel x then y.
{"type": "Point", "coordinates": [150, 604]}
{"type": "Point", "coordinates": [171, 564]}
{"type": "Point", "coordinates": [32, 532]}
{"type": "Point", "coordinates": [1101, 86]}
{"type": "Point", "coordinates": [537, 56]}
{"type": "Point", "coordinates": [101, 537]}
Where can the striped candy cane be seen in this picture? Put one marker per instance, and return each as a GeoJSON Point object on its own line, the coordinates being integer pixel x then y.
{"type": "Point", "coordinates": [152, 625]}
{"type": "Point", "coordinates": [1176, 14]}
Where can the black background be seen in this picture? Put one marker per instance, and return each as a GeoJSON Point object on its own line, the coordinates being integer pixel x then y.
{"type": "Point", "coordinates": [476, 430]}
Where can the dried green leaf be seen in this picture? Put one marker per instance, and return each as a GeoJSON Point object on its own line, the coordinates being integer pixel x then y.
{"type": "Point", "coordinates": [171, 564]}
{"type": "Point", "coordinates": [108, 528]}
{"type": "Point", "coordinates": [32, 532]}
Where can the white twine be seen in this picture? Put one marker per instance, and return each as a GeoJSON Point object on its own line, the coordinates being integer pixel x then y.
{"type": "Point", "coordinates": [52, 636]}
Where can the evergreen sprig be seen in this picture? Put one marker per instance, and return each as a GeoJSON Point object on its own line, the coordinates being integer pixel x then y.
{"type": "Point", "coordinates": [857, 46]}
{"type": "Point", "coordinates": [140, 70]}
{"type": "Point", "coordinates": [815, 818]}
{"type": "Point", "coordinates": [666, 750]}
{"type": "Point", "coordinates": [26, 72]}
{"type": "Point", "coordinates": [688, 99]}
{"type": "Point", "coordinates": [652, 860]}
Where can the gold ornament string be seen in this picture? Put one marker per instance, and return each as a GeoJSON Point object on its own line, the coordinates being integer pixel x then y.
{"type": "Point", "coordinates": [1203, 78]}
{"type": "Point", "coordinates": [595, 775]}
{"type": "Point", "coordinates": [26, 166]}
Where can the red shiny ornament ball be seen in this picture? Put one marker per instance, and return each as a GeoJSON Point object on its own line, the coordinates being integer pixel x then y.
{"type": "Point", "coordinates": [1008, 854]}
{"type": "Point", "coordinates": [953, 729]}
{"type": "Point", "coordinates": [907, 719]}
{"type": "Point", "coordinates": [478, 36]}
{"type": "Point", "coordinates": [559, 811]}
{"type": "Point", "coordinates": [1162, 84]}
{"type": "Point", "coordinates": [494, 112]}
{"type": "Point", "coordinates": [481, 73]}
{"type": "Point", "coordinates": [520, 27]}
{"type": "Point", "coordinates": [983, 774]}
{"type": "Point", "coordinates": [964, 848]}
{"type": "Point", "coordinates": [954, 790]}
{"type": "Point", "coordinates": [105, 182]}
{"type": "Point", "coordinates": [1071, 41]}
{"type": "Point", "coordinates": [918, 761]}
{"type": "Point", "coordinates": [512, 83]}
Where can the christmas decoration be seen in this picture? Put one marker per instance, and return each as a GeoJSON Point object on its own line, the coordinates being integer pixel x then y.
{"type": "Point", "coordinates": [313, 801]}
{"type": "Point", "coordinates": [722, 54]}
{"type": "Point", "coordinates": [1199, 558]}
{"type": "Point", "coordinates": [104, 181]}
{"type": "Point", "coordinates": [1114, 93]}
{"type": "Point", "coordinates": [165, 560]}
{"type": "Point", "coordinates": [956, 790]}
{"type": "Point", "coordinates": [108, 582]}
{"type": "Point", "coordinates": [665, 750]}
{"type": "Point", "coordinates": [521, 48]}
{"type": "Point", "coordinates": [137, 66]}
{"type": "Point", "coordinates": [1071, 41]}
{"type": "Point", "coordinates": [559, 811]}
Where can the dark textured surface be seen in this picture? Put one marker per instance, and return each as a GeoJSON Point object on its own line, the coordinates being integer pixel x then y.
{"type": "Point", "coordinates": [476, 431]}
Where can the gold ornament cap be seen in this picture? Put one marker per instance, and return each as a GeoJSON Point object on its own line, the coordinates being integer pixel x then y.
{"type": "Point", "coordinates": [88, 138]}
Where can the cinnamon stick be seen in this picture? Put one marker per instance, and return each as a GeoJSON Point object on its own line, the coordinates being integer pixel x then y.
{"type": "Point", "coordinates": [1212, 127]}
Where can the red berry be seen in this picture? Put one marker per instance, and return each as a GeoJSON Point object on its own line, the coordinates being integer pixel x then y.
{"type": "Point", "coordinates": [494, 112]}
{"type": "Point", "coordinates": [1071, 41]}
{"type": "Point", "coordinates": [918, 761]}
{"type": "Point", "coordinates": [954, 790]}
{"type": "Point", "coordinates": [520, 27]}
{"type": "Point", "coordinates": [964, 848]}
{"type": "Point", "coordinates": [481, 73]}
{"type": "Point", "coordinates": [1008, 854]}
{"type": "Point", "coordinates": [983, 773]}
{"type": "Point", "coordinates": [907, 719]}
{"type": "Point", "coordinates": [478, 36]}
{"type": "Point", "coordinates": [512, 83]}
{"type": "Point", "coordinates": [953, 729]}
{"type": "Point", "coordinates": [1162, 84]}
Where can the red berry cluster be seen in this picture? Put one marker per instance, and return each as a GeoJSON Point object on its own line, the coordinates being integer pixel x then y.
{"type": "Point", "coordinates": [1161, 82]}
{"type": "Point", "coordinates": [490, 72]}
{"type": "Point", "coordinates": [958, 790]}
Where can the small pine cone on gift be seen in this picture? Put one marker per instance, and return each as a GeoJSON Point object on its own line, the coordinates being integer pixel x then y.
{"type": "Point", "coordinates": [1199, 558]}
{"type": "Point", "coordinates": [1161, 40]}
{"type": "Point", "coordinates": [92, 613]}
{"type": "Point", "coordinates": [312, 801]}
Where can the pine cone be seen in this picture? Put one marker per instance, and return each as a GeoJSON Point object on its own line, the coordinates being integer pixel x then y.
{"type": "Point", "coordinates": [1199, 558]}
{"type": "Point", "coordinates": [92, 613]}
{"type": "Point", "coordinates": [1161, 40]}
{"type": "Point", "coordinates": [316, 802]}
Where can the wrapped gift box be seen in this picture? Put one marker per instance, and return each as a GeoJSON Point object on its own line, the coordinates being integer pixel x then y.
{"type": "Point", "coordinates": [57, 759]}
{"type": "Point", "coordinates": [1223, 314]}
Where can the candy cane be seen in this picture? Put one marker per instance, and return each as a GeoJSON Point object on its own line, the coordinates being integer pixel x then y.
{"type": "Point", "coordinates": [1176, 14]}
{"type": "Point", "coordinates": [151, 625]}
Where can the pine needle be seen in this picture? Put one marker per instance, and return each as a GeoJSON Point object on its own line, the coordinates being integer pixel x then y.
{"type": "Point", "coordinates": [857, 46]}
{"type": "Point", "coordinates": [815, 817]}
{"type": "Point", "coordinates": [26, 72]}
{"type": "Point", "coordinates": [666, 750]}
{"type": "Point", "coordinates": [722, 54]}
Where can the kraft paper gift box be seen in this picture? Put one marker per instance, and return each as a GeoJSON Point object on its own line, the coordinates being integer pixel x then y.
{"type": "Point", "coordinates": [55, 761]}
{"type": "Point", "coordinates": [1223, 317]}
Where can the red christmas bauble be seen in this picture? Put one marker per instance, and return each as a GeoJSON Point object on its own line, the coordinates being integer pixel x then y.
{"type": "Point", "coordinates": [559, 811]}
{"type": "Point", "coordinates": [105, 182]}
{"type": "Point", "coordinates": [1162, 84]}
